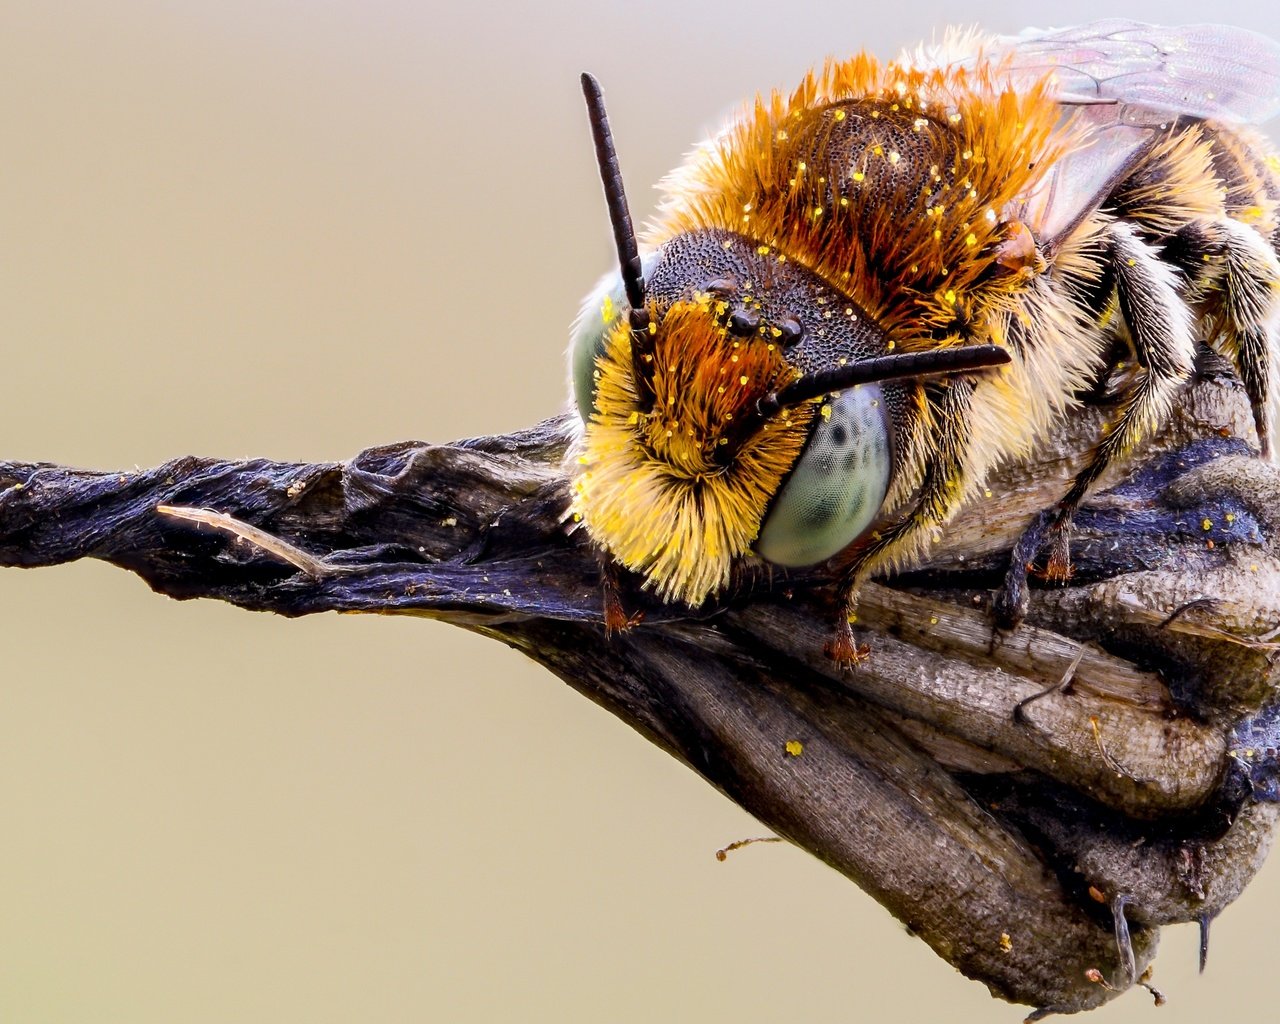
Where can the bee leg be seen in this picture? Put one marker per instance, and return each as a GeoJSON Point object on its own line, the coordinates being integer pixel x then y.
{"type": "Point", "coordinates": [1251, 305]}
{"type": "Point", "coordinates": [843, 648]}
{"type": "Point", "coordinates": [1227, 262]}
{"type": "Point", "coordinates": [616, 619]}
{"type": "Point", "coordinates": [941, 489]}
{"type": "Point", "coordinates": [1160, 327]}
{"type": "Point", "coordinates": [1010, 603]}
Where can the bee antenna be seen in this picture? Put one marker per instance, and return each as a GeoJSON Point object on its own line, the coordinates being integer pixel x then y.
{"type": "Point", "coordinates": [898, 366]}
{"type": "Point", "coordinates": [624, 233]}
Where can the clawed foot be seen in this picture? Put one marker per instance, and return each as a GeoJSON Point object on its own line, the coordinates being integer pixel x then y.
{"type": "Point", "coordinates": [1052, 527]}
{"type": "Point", "coordinates": [843, 649]}
{"type": "Point", "coordinates": [616, 619]}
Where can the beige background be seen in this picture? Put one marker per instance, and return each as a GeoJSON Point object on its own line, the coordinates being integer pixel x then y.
{"type": "Point", "coordinates": [296, 229]}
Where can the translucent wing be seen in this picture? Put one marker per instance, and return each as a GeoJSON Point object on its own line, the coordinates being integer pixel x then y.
{"type": "Point", "coordinates": [1210, 71]}
{"type": "Point", "coordinates": [1125, 81]}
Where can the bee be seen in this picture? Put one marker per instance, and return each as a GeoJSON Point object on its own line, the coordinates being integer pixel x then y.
{"type": "Point", "coordinates": [860, 297]}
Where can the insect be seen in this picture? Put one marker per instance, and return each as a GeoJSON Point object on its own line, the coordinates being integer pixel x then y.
{"type": "Point", "coordinates": [858, 298]}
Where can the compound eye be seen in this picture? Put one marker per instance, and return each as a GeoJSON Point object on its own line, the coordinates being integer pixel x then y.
{"type": "Point", "coordinates": [600, 311]}
{"type": "Point", "coordinates": [837, 486]}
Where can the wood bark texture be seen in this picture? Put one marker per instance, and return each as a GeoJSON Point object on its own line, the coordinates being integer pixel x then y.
{"type": "Point", "coordinates": [1021, 800]}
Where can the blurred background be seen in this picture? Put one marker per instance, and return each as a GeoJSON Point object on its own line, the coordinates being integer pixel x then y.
{"type": "Point", "coordinates": [297, 229]}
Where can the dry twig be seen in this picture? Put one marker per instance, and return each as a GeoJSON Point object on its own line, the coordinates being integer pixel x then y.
{"type": "Point", "coordinates": [1149, 779]}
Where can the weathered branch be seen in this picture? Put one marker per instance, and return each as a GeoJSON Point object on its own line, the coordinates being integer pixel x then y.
{"type": "Point", "coordinates": [999, 793]}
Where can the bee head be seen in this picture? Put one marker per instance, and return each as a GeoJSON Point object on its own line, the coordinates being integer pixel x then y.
{"type": "Point", "coordinates": [677, 465]}
{"type": "Point", "coordinates": [732, 402]}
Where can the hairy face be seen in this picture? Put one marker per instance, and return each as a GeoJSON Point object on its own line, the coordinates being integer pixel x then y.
{"type": "Point", "coordinates": [651, 487]}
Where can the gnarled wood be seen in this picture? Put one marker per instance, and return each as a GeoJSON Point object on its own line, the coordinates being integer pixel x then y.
{"type": "Point", "coordinates": [1140, 763]}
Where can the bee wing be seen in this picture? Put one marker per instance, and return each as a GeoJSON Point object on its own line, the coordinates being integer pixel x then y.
{"type": "Point", "coordinates": [1211, 71]}
{"type": "Point", "coordinates": [1124, 81]}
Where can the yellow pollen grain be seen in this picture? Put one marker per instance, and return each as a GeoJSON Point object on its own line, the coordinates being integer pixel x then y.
{"type": "Point", "coordinates": [802, 167]}
{"type": "Point", "coordinates": [1206, 524]}
{"type": "Point", "coordinates": [762, 251]}
{"type": "Point", "coordinates": [1231, 517]}
{"type": "Point", "coordinates": [858, 176]}
{"type": "Point", "coordinates": [933, 620]}
{"type": "Point", "coordinates": [633, 419]}
{"type": "Point", "coordinates": [937, 233]}
{"type": "Point", "coordinates": [817, 211]}
{"type": "Point", "coordinates": [782, 135]}
{"type": "Point", "coordinates": [794, 747]}
{"type": "Point", "coordinates": [826, 412]}
{"type": "Point", "coordinates": [970, 239]}
{"type": "Point", "coordinates": [743, 380]}
{"type": "Point", "coordinates": [950, 296]}
{"type": "Point", "coordinates": [894, 157]}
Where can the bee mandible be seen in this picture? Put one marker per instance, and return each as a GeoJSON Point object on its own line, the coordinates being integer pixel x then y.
{"type": "Point", "coordinates": [859, 298]}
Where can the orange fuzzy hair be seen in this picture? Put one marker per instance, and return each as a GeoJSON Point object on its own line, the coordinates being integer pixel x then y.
{"type": "Point", "coordinates": [916, 269]}
{"type": "Point", "coordinates": [650, 488]}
